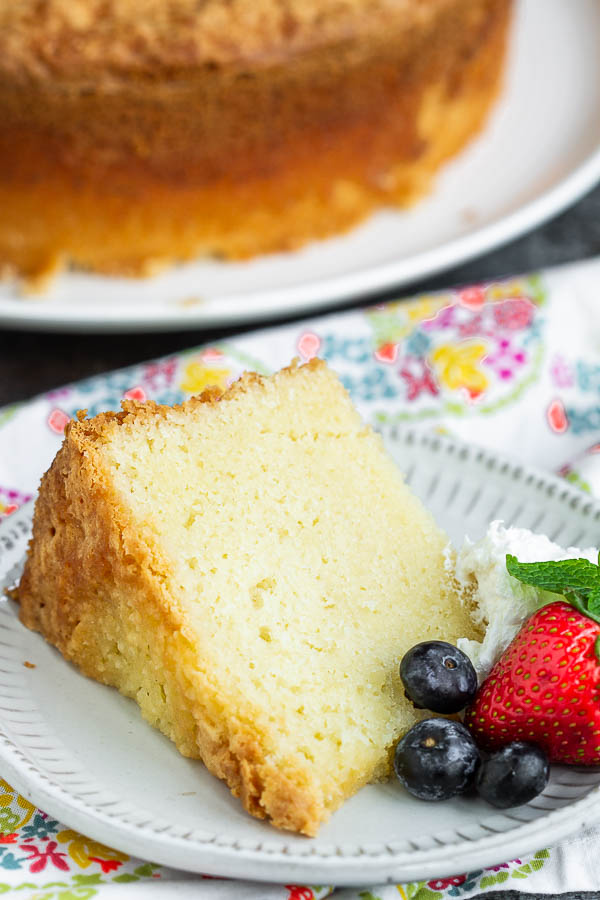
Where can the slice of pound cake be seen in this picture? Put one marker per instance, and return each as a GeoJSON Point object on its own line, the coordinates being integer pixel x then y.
{"type": "Point", "coordinates": [250, 568]}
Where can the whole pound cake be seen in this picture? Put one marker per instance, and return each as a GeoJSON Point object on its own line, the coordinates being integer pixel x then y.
{"type": "Point", "coordinates": [133, 134]}
{"type": "Point", "coordinates": [249, 567]}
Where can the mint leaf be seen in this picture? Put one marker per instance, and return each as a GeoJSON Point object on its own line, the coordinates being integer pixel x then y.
{"type": "Point", "coordinates": [578, 575]}
{"type": "Point", "coordinates": [578, 580]}
{"type": "Point", "coordinates": [580, 604]}
{"type": "Point", "coordinates": [593, 601]}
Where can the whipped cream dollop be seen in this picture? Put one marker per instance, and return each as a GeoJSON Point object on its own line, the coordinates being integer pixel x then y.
{"type": "Point", "coordinates": [501, 603]}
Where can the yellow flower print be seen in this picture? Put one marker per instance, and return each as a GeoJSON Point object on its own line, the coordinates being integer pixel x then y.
{"type": "Point", "coordinates": [394, 322]}
{"type": "Point", "coordinates": [502, 290]}
{"type": "Point", "coordinates": [425, 308]}
{"type": "Point", "coordinates": [457, 366]}
{"type": "Point", "coordinates": [9, 799]}
{"type": "Point", "coordinates": [83, 851]}
{"type": "Point", "coordinates": [198, 377]}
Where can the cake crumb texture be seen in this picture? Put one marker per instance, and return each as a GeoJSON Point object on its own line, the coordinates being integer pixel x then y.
{"type": "Point", "coordinates": [249, 567]}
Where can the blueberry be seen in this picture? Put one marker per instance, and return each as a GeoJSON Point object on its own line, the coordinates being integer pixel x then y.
{"type": "Point", "coordinates": [439, 677]}
{"type": "Point", "coordinates": [513, 775]}
{"type": "Point", "coordinates": [436, 759]}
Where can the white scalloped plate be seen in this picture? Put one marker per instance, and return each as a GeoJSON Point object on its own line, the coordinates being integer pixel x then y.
{"type": "Point", "coordinates": [81, 752]}
{"type": "Point", "coordinates": [539, 152]}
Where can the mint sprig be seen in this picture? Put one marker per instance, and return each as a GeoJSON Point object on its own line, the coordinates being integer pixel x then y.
{"type": "Point", "coordinates": [578, 580]}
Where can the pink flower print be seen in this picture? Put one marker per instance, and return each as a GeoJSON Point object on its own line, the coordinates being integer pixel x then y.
{"type": "Point", "coordinates": [561, 372]}
{"type": "Point", "coordinates": [444, 318]}
{"type": "Point", "coordinates": [159, 374]}
{"type": "Point", "coordinates": [472, 297]}
{"type": "Point", "coordinates": [556, 415]}
{"type": "Point", "coordinates": [135, 393]}
{"type": "Point", "coordinates": [514, 314]}
{"type": "Point", "coordinates": [419, 379]}
{"type": "Point", "coordinates": [57, 421]}
{"type": "Point", "coordinates": [504, 359]}
{"type": "Point", "coordinates": [299, 893]}
{"type": "Point", "coordinates": [211, 354]}
{"type": "Point", "coordinates": [387, 353]}
{"type": "Point", "coordinates": [440, 884]}
{"type": "Point", "coordinates": [472, 326]}
{"type": "Point", "coordinates": [308, 344]}
{"type": "Point", "coordinates": [49, 854]}
{"type": "Point", "coordinates": [505, 865]}
{"type": "Point", "coordinates": [11, 500]}
{"type": "Point", "coordinates": [58, 392]}
{"type": "Point", "coordinates": [107, 865]}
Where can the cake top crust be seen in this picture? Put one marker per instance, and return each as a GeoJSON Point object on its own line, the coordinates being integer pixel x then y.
{"type": "Point", "coordinates": [90, 429]}
{"type": "Point", "coordinates": [81, 39]}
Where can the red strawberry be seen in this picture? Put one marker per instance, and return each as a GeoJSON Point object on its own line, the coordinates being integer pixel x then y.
{"type": "Point", "coordinates": [545, 688]}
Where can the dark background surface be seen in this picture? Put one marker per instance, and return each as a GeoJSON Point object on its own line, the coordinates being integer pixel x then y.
{"type": "Point", "coordinates": [31, 363]}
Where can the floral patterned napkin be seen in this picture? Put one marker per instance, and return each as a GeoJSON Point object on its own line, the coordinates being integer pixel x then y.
{"type": "Point", "coordinates": [513, 365]}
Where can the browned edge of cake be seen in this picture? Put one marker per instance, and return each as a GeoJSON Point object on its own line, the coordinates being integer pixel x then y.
{"type": "Point", "coordinates": [95, 546]}
{"type": "Point", "coordinates": [117, 176]}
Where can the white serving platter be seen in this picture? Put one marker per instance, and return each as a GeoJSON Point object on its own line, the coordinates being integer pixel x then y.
{"type": "Point", "coordinates": [539, 152]}
{"type": "Point", "coordinates": [83, 754]}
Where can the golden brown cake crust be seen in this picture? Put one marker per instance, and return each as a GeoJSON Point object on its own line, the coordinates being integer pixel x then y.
{"type": "Point", "coordinates": [136, 135]}
{"type": "Point", "coordinates": [102, 583]}
{"type": "Point", "coordinates": [129, 141]}
{"type": "Point", "coordinates": [83, 547]}
{"type": "Point", "coordinates": [79, 38]}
